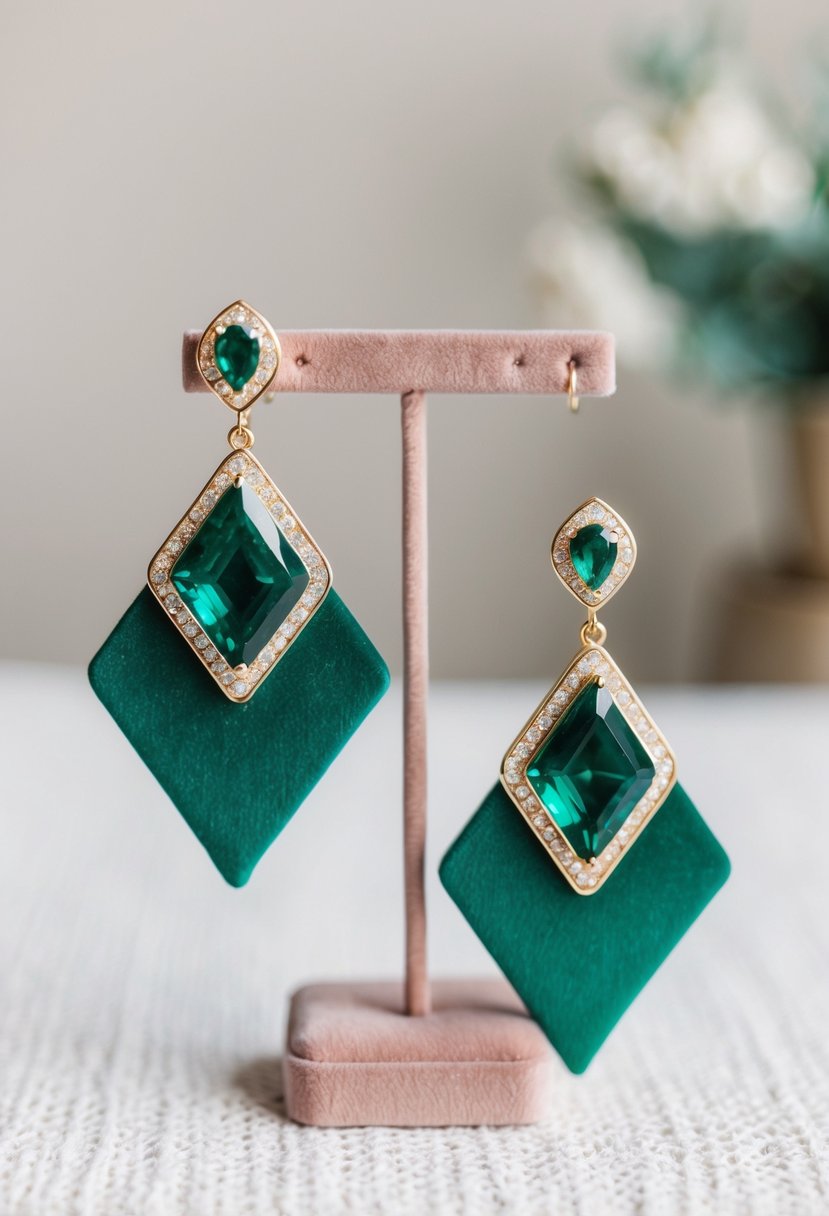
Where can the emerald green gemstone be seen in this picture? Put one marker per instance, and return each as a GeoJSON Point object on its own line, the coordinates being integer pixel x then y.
{"type": "Point", "coordinates": [239, 576]}
{"type": "Point", "coordinates": [591, 772]}
{"type": "Point", "coordinates": [593, 554]}
{"type": "Point", "coordinates": [237, 355]}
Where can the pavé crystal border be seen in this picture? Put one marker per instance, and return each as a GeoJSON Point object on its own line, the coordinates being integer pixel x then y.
{"type": "Point", "coordinates": [594, 511]}
{"type": "Point", "coordinates": [270, 355]}
{"type": "Point", "coordinates": [241, 682]}
{"type": "Point", "coordinates": [591, 663]}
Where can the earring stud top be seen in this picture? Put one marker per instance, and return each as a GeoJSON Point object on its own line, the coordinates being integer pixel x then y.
{"type": "Point", "coordinates": [238, 356]}
{"type": "Point", "coordinates": [593, 553]}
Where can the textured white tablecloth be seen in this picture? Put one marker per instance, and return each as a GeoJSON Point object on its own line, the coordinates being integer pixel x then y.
{"type": "Point", "coordinates": [142, 1002]}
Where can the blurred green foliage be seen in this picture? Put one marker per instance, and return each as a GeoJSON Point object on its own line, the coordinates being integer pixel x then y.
{"type": "Point", "coordinates": [755, 300]}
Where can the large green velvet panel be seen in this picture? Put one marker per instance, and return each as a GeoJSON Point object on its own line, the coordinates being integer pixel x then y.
{"type": "Point", "coordinates": [237, 773]}
{"type": "Point", "coordinates": [578, 961]}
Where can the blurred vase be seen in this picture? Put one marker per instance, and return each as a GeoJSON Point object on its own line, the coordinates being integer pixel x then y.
{"type": "Point", "coordinates": [773, 624]}
{"type": "Point", "coordinates": [810, 448]}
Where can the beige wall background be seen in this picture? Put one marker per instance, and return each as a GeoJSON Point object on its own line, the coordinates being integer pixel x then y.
{"type": "Point", "coordinates": [351, 165]}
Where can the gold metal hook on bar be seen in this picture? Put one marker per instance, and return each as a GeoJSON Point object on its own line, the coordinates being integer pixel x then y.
{"type": "Point", "coordinates": [572, 387]}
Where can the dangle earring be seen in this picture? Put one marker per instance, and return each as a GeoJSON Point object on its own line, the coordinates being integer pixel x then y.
{"type": "Point", "coordinates": [593, 780]}
{"type": "Point", "coordinates": [278, 674]}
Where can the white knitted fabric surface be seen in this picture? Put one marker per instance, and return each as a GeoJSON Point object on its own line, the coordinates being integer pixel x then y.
{"type": "Point", "coordinates": [142, 1001]}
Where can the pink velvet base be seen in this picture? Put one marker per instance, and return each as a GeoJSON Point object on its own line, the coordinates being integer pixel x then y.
{"type": "Point", "coordinates": [354, 1059]}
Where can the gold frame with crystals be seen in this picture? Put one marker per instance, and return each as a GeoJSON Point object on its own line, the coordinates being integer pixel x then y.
{"type": "Point", "coordinates": [270, 356]}
{"type": "Point", "coordinates": [241, 682]}
{"type": "Point", "coordinates": [592, 663]}
{"type": "Point", "coordinates": [593, 511]}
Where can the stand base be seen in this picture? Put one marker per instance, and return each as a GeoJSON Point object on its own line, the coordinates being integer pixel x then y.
{"type": "Point", "coordinates": [354, 1059]}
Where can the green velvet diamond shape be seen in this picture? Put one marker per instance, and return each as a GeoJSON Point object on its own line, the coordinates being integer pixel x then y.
{"type": "Point", "coordinates": [237, 773]}
{"type": "Point", "coordinates": [578, 963]}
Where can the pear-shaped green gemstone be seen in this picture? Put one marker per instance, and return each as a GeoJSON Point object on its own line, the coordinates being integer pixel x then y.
{"type": "Point", "coordinates": [593, 554]}
{"type": "Point", "coordinates": [237, 355]}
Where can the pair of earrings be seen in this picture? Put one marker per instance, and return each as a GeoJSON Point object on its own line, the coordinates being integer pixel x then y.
{"type": "Point", "coordinates": [277, 659]}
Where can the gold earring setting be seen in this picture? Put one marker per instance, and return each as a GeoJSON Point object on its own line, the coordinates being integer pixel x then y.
{"type": "Point", "coordinates": [590, 768]}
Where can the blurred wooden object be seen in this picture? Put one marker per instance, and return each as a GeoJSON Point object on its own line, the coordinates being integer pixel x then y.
{"type": "Point", "coordinates": [810, 448]}
{"type": "Point", "coordinates": [772, 628]}
{"type": "Point", "coordinates": [773, 625]}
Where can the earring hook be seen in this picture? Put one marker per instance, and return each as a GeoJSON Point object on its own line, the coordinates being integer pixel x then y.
{"type": "Point", "coordinates": [572, 386]}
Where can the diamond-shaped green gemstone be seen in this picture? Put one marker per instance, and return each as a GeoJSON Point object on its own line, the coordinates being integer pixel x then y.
{"type": "Point", "coordinates": [236, 352]}
{"type": "Point", "coordinates": [239, 576]}
{"type": "Point", "coordinates": [593, 554]}
{"type": "Point", "coordinates": [591, 771]}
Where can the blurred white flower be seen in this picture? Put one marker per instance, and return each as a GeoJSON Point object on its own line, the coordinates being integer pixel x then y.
{"type": "Point", "coordinates": [717, 161]}
{"type": "Point", "coordinates": [586, 277]}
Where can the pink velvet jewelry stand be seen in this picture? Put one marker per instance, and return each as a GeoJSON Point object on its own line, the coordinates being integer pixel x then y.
{"type": "Point", "coordinates": [420, 1054]}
